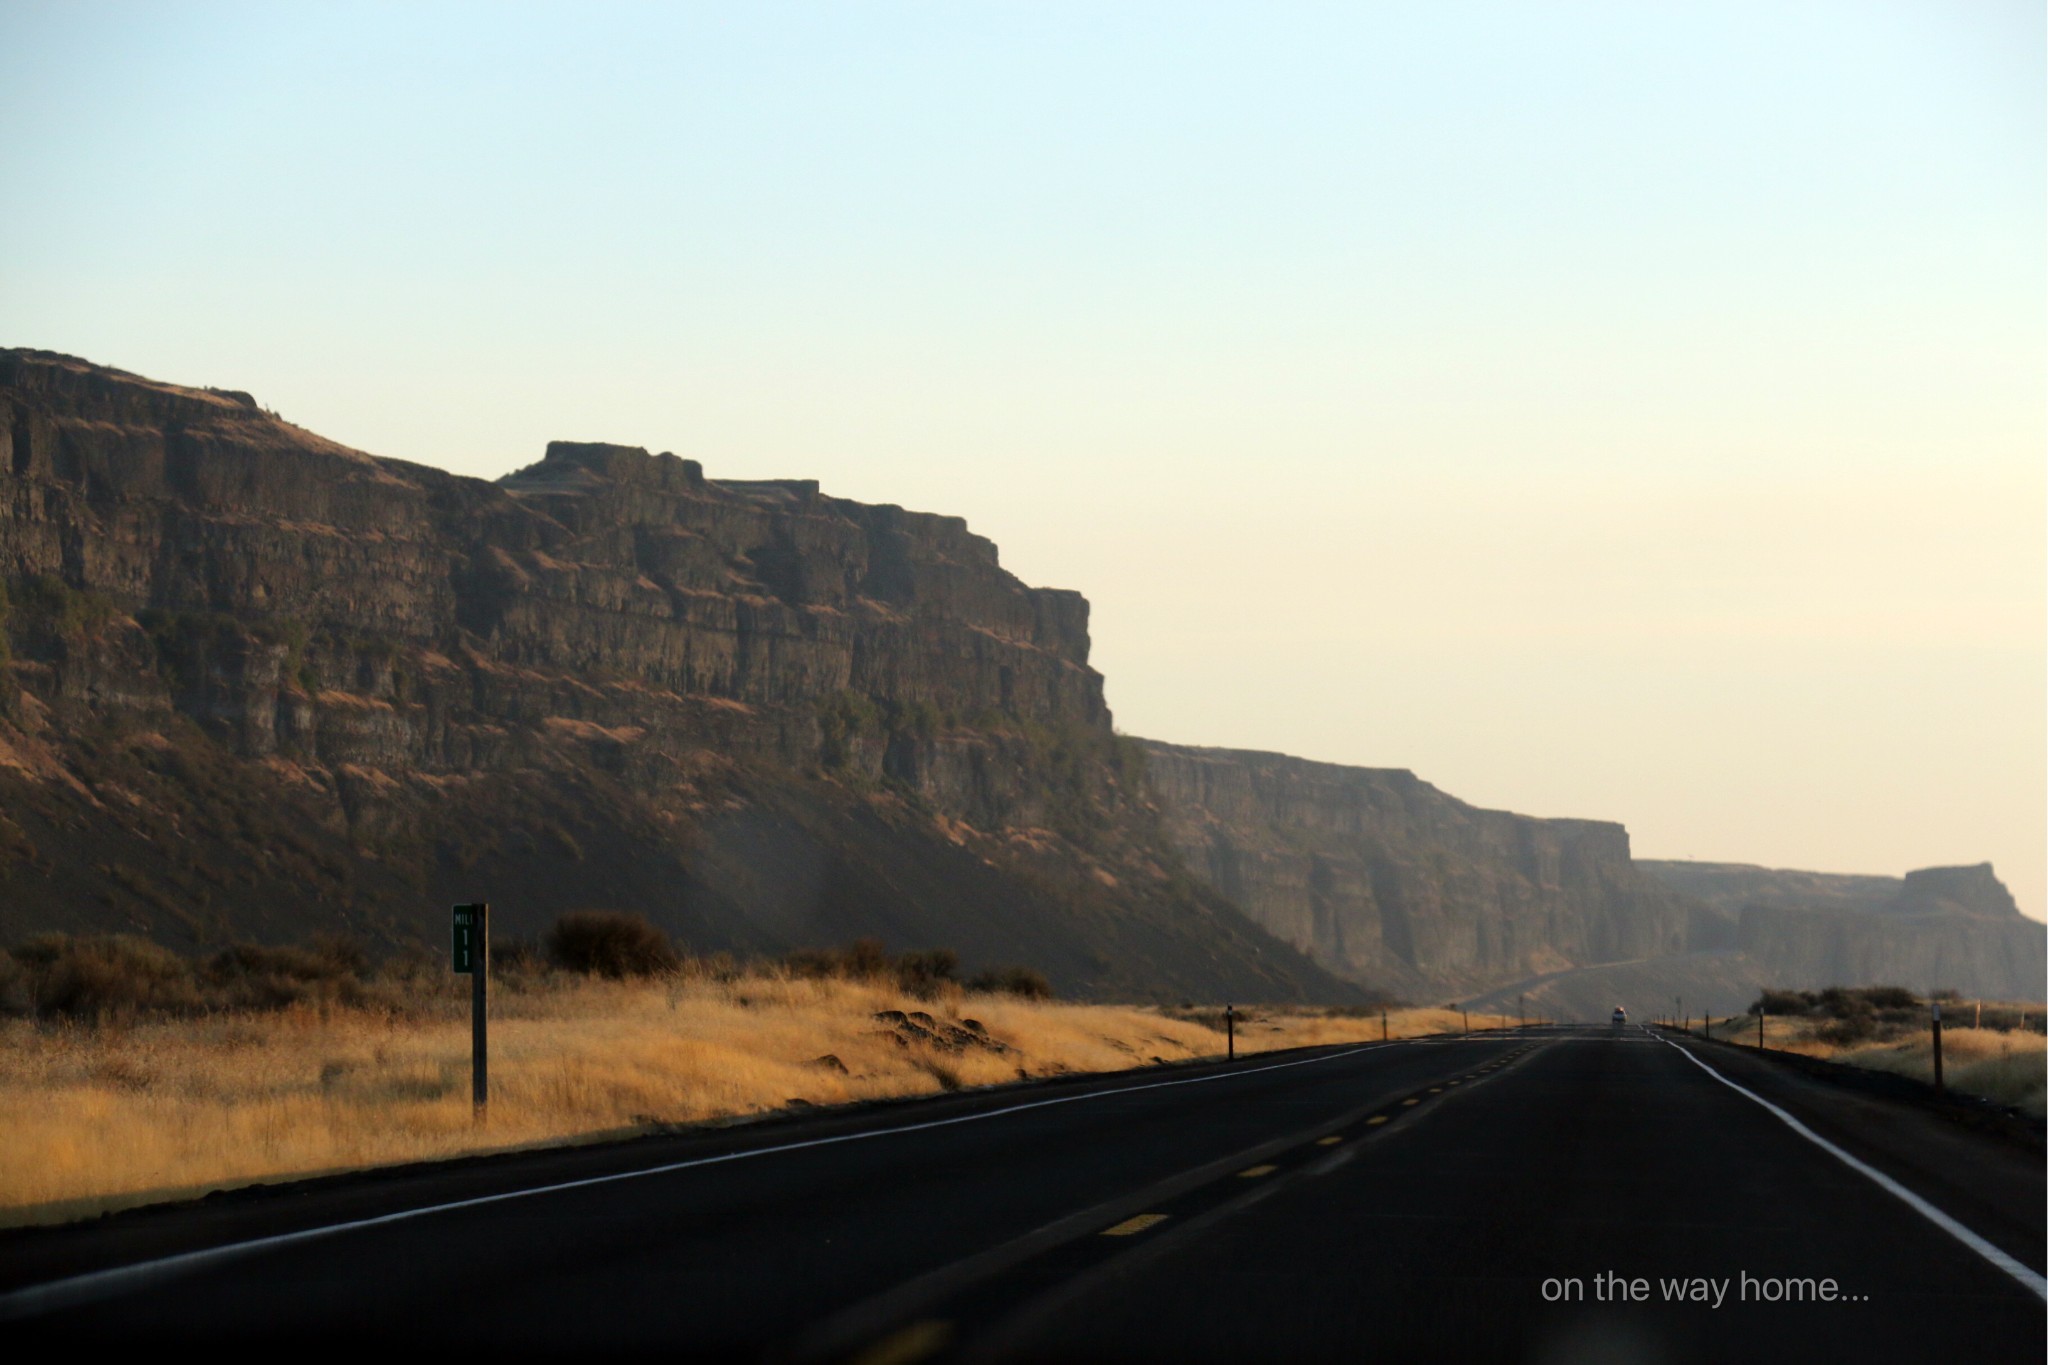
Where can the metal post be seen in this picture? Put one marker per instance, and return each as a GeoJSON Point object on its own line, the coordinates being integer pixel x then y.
{"type": "Point", "coordinates": [1230, 1029]}
{"type": "Point", "coordinates": [1759, 1028]}
{"type": "Point", "coordinates": [1466, 1015]}
{"type": "Point", "coordinates": [1938, 1087]}
{"type": "Point", "coordinates": [479, 1015]}
{"type": "Point", "coordinates": [1383, 1023]}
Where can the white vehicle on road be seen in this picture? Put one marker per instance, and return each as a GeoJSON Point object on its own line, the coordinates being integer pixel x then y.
{"type": "Point", "coordinates": [1620, 1016]}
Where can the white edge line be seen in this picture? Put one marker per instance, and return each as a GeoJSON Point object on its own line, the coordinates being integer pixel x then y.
{"type": "Point", "coordinates": [101, 1284]}
{"type": "Point", "coordinates": [2017, 1269]}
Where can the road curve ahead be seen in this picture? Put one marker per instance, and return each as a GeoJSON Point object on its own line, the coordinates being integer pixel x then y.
{"type": "Point", "coordinates": [1568, 1195]}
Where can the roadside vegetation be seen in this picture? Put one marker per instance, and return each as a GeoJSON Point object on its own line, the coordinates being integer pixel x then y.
{"type": "Point", "coordinates": [130, 1074]}
{"type": "Point", "coordinates": [1992, 1049]}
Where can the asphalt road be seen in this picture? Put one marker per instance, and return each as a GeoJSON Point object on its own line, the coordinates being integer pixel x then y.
{"type": "Point", "coordinates": [1554, 1195]}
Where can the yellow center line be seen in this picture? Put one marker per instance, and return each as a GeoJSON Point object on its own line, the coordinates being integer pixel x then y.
{"type": "Point", "coordinates": [1254, 1172]}
{"type": "Point", "coordinates": [1328, 1141]}
{"type": "Point", "coordinates": [1411, 1101]}
{"type": "Point", "coordinates": [1436, 1090]}
{"type": "Point", "coordinates": [908, 1344]}
{"type": "Point", "coordinates": [1134, 1224]}
{"type": "Point", "coordinates": [1376, 1118]}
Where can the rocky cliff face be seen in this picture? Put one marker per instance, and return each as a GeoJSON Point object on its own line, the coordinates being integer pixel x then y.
{"type": "Point", "coordinates": [258, 682]}
{"type": "Point", "coordinates": [1391, 883]}
{"type": "Point", "coordinates": [1388, 881]}
{"type": "Point", "coordinates": [1955, 927]}
{"type": "Point", "coordinates": [253, 683]}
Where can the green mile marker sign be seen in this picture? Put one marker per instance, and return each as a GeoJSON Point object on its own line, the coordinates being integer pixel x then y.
{"type": "Point", "coordinates": [465, 938]}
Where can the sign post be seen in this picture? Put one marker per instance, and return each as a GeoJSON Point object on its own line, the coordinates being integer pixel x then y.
{"type": "Point", "coordinates": [1230, 1029]}
{"type": "Point", "coordinates": [472, 955]}
{"type": "Point", "coordinates": [1938, 1087]}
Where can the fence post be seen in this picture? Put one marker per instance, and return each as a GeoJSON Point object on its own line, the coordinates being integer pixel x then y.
{"type": "Point", "coordinates": [1938, 1086]}
{"type": "Point", "coordinates": [1759, 1028]}
{"type": "Point", "coordinates": [1230, 1029]}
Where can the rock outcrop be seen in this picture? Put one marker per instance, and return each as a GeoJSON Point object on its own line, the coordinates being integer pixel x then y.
{"type": "Point", "coordinates": [261, 683]}
{"type": "Point", "coordinates": [1954, 927]}
{"type": "Point", "coordinates": [1390, 882]}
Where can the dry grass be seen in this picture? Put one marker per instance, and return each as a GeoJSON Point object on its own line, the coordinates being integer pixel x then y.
{"type": "Point", "coordinates": [2008, 1068]}
{"type": "Point", "coordinates": [95, 1118]}
{"type": "Point", "coordinates": [2005, 1066]}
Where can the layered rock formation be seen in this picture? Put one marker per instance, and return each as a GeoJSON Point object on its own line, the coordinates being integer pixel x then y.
{"type": "Point", "coordinates": [1386, 880]}
{"type": "Point", "coordinates": [261, 682]}
{"type": "Point", "coordinates": [1396, 885]}
{"type": "Point", "coordinates": [253, 683]}
{"type": "Point", "coordinates": [1955, 927]}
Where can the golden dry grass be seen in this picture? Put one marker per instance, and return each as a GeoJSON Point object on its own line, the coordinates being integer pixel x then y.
{"type": "Point", "coordinates": [2009, 1068]}
{"type": "Point", "coordinates": [95, 1118]}
{"type": "Point", "coordinates": [2006, 1066]}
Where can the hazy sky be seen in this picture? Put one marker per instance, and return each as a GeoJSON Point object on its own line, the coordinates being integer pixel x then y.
{"type": "Point", "coordinates": [1625, 410]}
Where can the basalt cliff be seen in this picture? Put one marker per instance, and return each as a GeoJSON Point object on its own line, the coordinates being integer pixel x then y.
{"type": "Point", "coordinates": [257, 684]}
{"type": "Point", "coordinates": [1388, 881]}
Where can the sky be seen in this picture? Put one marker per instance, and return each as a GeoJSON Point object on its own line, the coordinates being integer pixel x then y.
{"type": "Point", "coordinates": [1608, 409]}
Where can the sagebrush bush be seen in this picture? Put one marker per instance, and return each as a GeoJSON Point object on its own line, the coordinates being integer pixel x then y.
{"type": "Point", "coordinates": [610, 943]}
{"type": "Point", "coordinates": [16, 994]}
{"type": "Point", "coordinates": [925, 974]}
{"type": "Point", "coordinates": [257, 976]}
{"type": "Point", "coordinates": [1018, 981]}
{"type": "Point", "coordinates": [108, 975]}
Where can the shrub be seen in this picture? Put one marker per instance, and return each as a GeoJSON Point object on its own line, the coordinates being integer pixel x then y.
{"type": "Point", "coordinates": [610, 943]}
{"type": "Point", "coordinates": [259, 976]}
{"type": "Point", "coordinates": [517, 957]}
{"type": "Point", "coordinates": [862, 960]}
{"type": "Point", "coordinates": [922, 974]}
{"type": "Point", "coordinates": [16, 994]}
{"type": "Point", "coordinates": [1782, 1002]}
{"type": "Point", "coordinates": [1890, 997]}
{"type": "Point", "coordinates": [115, 974]}
{"type": "Point", "coordinates": [1848, 1029]}
{"type": "Point", "coordinates": [1019, 981]}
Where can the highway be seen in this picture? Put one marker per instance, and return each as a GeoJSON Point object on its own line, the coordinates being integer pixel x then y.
{"type": "Point", "coordinates": [1549, 1194]}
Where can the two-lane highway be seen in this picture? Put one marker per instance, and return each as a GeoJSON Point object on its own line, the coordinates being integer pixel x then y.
{"type": "Point", "coordinates": [1553, 1194]}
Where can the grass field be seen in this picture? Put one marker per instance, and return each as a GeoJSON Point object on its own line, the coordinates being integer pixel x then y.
{"type": "Point", "coordinates": [2008, 1066]}
{"type": "Point", "coordinates": [101, 1116]}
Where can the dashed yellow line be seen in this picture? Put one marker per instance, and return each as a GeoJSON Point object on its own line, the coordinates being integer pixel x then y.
{"type": "Point", "coordinates": [1376, 1118]}
{"type": "Point", "coordinates": [908, 1344]}
{"type": "Point", "coordinates": [1137, 1223]}
{"type": "Point", "coordinates": [1328, 1141]}
{"type": "Point", "coordinates": [1254, 1172]}
{"type": "Point", "coordinates": [1411, 1100]}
